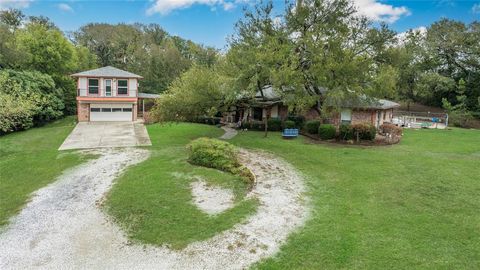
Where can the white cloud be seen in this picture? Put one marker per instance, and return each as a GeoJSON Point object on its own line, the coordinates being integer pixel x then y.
{"type": "Point", "coordinates": [422, 30]}
{"type": "Point", "coordinates": [65, 7]}
{"type": "Point", "coordinates": [380, 12]}
{"type": "Point", "coordinates": [476, 8]}
{"type": "Point", "coordinates": [166, 6]}
{"type": "Point", "coordinates": [6, 4]}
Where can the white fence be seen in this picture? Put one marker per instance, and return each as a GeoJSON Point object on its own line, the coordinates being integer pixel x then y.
{"type": "Point", "coordinates": [420, 119]}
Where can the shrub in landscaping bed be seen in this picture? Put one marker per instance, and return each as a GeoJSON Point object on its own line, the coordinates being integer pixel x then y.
{"type": "Point", "coordinates": [149, 118]}
{"type": "Point", "coordinates": [363, 131]}
{"type": "Point", "coordinates": [289, 124]}
{"type": "Point", "coordinates": [345, 132]}
{"type": "Point", "coordinates": [208, 120]}
{"type": "Point", "coordinates": [217, 154]}
{"type": "Point", "coordinates": [253, 125]}
{"type": "Point", "coordinates": [391, 129]}
{"type": "Point", "coordinates": [312, 126]}
{"type": "Point", "coordinates": [299, 120]}
{"type": "Point", "coordinates": [274, 124]}
{"type": "Point", "coordinates": [327, 131]}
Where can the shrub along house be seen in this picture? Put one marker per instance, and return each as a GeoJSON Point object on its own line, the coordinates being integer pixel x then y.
{"type": "Point", "coordinates": [270, 105]}
{"type": "Point", "coordinates": [109, 94]}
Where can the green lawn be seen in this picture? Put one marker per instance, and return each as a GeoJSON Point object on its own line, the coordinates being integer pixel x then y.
{"type": "Point", "coordinates": [30, 160]}
{"type": "Point", "coordinates": [152, 201]}
{"type": "Point", "coordinates": [409, 206]}
{"type": "Point", "coordinates": [412, 205]}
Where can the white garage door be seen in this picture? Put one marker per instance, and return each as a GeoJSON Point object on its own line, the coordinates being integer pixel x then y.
{"type": "Point", "coordinates": [111, 112]}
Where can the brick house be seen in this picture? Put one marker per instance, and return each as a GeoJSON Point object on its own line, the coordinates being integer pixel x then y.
{"type": "Point", "coordinates": [362, 110]}
{"type": "Point", "coordinates": [109, 94]}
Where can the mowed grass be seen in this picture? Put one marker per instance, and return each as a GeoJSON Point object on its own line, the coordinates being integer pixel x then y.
{"type": "Point", "coordinates": [415, 205]}
{"type": "Point", "coordinates": [30, 160]}
{"type": "Point", "coordinates": [152, 201]}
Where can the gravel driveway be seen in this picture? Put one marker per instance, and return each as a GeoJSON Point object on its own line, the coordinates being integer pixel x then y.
{"type": "Point", "coordinates": [62, 226]}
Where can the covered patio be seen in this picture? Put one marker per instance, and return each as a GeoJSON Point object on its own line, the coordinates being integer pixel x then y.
{"type": "Point", "coordinates": [145, 103]}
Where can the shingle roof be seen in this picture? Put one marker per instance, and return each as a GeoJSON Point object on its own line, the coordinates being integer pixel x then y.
{"type": "Point", "coordinates": [360, 102]}
{"type": "Point", "coordinates": [148, 95]}
{"type": "Point", "coordinates": [107, 71]}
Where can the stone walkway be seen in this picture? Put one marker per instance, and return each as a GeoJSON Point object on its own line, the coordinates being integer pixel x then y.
{"type": "Point", "coordinates": [229, 133]}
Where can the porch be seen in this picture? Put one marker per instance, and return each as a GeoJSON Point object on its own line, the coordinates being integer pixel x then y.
{"type": "Point", "coordinates": [145, 103]}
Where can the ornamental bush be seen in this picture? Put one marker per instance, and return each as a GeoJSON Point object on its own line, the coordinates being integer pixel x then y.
{"type": "Point", "coordinates": [312, 126]}
{"type": "Point", "coordinates": [327, 131]}
{"type": "Point", "coordinates": [364, 131]}
{"type": "Point", "coordinates": [345, 132]}
{"type": "Point", "coordinates": [208, 120]}
{"type": "Point", "coordinates": [213, 153]}
{"type": "Point", "coordinates": [299, 120]}
{"type": "Point", "coordinates": [217, 154]}
{"type": "Point", "coordinates": [257, 125]}
{"type": "Point", "coordinates": [274, 124]}
{"type": "Point", "coordinates": [391, 129]}
{"type": "Point", "coordinates": [289, 124]}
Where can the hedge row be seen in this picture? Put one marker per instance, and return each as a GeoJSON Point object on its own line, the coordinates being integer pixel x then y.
{"type": "Point", "coordinates": [274, 124]}
{"type": "Point", "coordinates": [361, 131]}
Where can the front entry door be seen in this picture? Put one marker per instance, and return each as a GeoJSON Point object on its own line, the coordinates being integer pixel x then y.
{"type": "Point", "coordinates": [108, 88]}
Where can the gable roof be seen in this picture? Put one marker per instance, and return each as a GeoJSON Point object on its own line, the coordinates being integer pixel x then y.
{"type": "Point", "coordinates": [107, 71]}
{"type": "Point", "coordinates": [360, 102]}
{"type": "Point", "coordinates": [364, 102]}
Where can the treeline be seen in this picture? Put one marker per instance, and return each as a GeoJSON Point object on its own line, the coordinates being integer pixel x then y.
{"type": "Point", "coordinates": [36, 59]}
{"type": "Point", "coordinates": [143, 49]}
{"type": "Point", "coordinates": [440, 67]}
{"type": "Point", "coordinates": [316, 45]}
{"type": "Point", "coordinates": [312, 46]}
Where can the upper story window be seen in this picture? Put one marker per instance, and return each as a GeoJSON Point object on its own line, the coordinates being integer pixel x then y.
{"type": "Point", "coordinates": [122, 87]}
{"type": "Point", "coordinates": [93, 86]}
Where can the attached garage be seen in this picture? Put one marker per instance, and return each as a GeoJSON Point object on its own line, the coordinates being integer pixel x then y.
{"type": "Point", "coordinates": [111, 112]}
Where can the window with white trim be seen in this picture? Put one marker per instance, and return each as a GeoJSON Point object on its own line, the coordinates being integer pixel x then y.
{"type": "Point", "coordinates": [346, 116]}
{"type": "Point", "coordinates": [93, 86]}
{"type": "Point", "coordinates": [122, 87]}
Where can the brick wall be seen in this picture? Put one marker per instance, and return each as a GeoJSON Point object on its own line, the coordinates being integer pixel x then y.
{"type": "Point", "coordinates": [83, 112]}
{"type": "Point", "coordinates": [282, 112]}
{"type": "Point", "coordinates": [135, 107]}
{"type": "Point", "coordinates": [361, 116]}
{"type": "Point", "coordinates": [311, 114]}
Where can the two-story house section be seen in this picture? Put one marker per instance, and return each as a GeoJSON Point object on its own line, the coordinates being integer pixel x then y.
{"type": "Point", "coordinates": [107, 94]}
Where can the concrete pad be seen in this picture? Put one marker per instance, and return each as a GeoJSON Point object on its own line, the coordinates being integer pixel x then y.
{"type": "Point", "coordinates": [106, 134]}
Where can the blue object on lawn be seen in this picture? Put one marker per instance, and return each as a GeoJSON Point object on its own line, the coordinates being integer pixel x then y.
{"type": "Point", "coordinates": [435, 120]}
{"type": "Point", "coordinates": [290, 133]}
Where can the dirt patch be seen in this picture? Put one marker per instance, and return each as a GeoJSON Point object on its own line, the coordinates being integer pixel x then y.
{"type": "Point", "coordinates": [63, 228]}
{"type": "Point", "coordinates": [211, 199]}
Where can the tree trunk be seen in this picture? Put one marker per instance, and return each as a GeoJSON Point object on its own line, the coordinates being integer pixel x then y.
{"type": "Point", "coordinates": [268, 110]}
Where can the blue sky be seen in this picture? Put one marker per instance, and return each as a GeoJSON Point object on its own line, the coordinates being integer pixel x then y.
{"type": "Point", "coordinates": [210, 22]}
